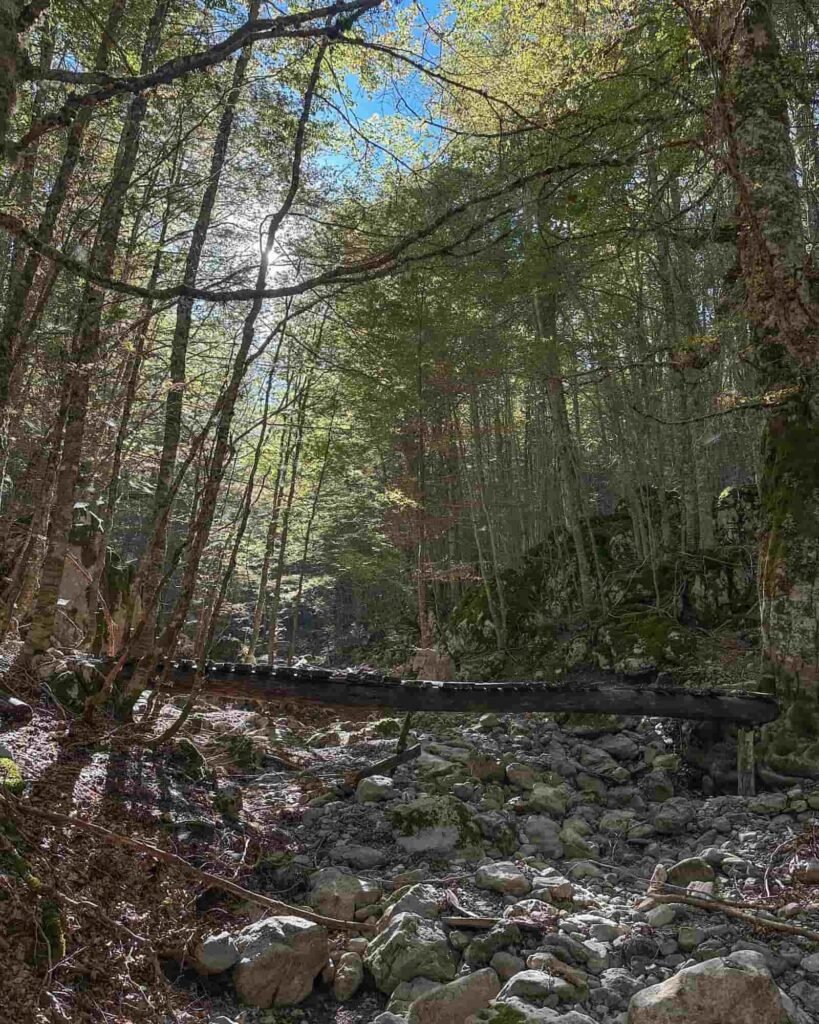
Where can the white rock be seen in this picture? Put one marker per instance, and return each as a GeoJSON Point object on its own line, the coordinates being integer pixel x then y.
{"type": "Point", "coordinates": [279, 959]}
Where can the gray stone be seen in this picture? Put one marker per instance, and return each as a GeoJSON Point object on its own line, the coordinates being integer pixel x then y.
{"type": "Point", "coordinates": [374, 789]}
{"type": "Point", "coordinates": [216, 953]}
{"type": "Point", "coordinates": [422, 899]}
{"type": "Point", "coordinates": [542, 833]}
{"type": "Point", "coordinates": [506, 965]}
{"type": "Point", "coordinates": [674, 816]}
{"type": "Point", "coordinates": [357, 856]}
{"type": "Point", "coordinates": [692, 869]}
{"type": "Point", "coordinates": [661, 916]}
{"type": "Point", "coordinates": [538, 988]}
{"type": "Point", "coordinates": [434, 825]}
{"type": "Point", "coordinates": [452, 1003]}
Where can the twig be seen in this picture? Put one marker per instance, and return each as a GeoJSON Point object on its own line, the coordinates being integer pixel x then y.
{"type": "Point", "coordinates": [203, 876]}
{"type": "Point", "coordinates": [714, 904]}
{"type": "Point", "coordinates": [381, 767]}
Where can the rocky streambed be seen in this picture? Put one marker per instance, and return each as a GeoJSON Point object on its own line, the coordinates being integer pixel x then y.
{"type": "Point", "coordinates": [523, 871]}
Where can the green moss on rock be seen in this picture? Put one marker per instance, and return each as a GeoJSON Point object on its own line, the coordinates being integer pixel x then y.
{"type": "Point", "coordinates": [11, 778]}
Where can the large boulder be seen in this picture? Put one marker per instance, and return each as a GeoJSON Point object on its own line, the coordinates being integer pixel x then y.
{"type": "Point", "coordinates": [737, 989]}
{"type": "Point", "coordinates": [453, 1003]}
{"type": "Point", "coordinates": [279, 957]}
{"type": "Point", "coordinates": [337, 893]}
{"type": "Point", "coordinates": [435, 825]}
{"type": "Point", "coordinates": [410, 947]}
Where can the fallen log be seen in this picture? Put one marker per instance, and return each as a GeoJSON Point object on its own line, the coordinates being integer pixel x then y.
{"type": "Point", "coordinates": [608, 696]}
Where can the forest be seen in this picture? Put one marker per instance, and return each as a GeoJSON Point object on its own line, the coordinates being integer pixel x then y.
{"type": "Point", "coordinates": [462, 341]}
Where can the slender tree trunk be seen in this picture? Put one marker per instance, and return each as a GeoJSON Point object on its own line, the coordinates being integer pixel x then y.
{"type": "Point", "coordinates": [307, 534]}
{"type": "Point", "coordinates": [154, 556]}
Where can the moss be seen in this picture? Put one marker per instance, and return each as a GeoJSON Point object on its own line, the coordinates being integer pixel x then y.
{"type": "Point", "coordinates": [51, 925]}
{"type": "Point", "coordinates": [435, 812]}
{"type": "Point", "coordinates": [11, 778]}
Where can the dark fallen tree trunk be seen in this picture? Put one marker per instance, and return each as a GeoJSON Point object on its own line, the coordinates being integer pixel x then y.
{"type": "Point", "coordinates": [613, 695]}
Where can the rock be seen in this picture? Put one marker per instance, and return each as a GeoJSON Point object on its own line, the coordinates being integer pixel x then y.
{"type": "Point", "coordinates": [619, 746]}
{"type": "Point", "coordinates": [542, 833]}
{"type": "Point", "coordinates": [452, 1003]}
{"type": "Point", "coordinates": [410, 947]}
{"type": "Point", "coordinates": [357, 856]}
{"type": "Point", "coordinates": [503, 877]}
{"type": "Point", "coordinates": [532, 908]}
{"type": "Point", "coordinates": [768, 803]}
{"type": "Point", "coordinates": [805, 869]}
{"type": "Point", "coordinates": [506, 965]}
{"type": "Point", "coordinates": [538, 989]}
{"type": "Point", "coordinates": [808, 995]}
{"type": "Point", "coordinates": [338, 893]}
{"type": "Point", "coordinates": [434, 825]}
{"type": "Point", "coordinates": [486, 769]}
{"type": "Point", "coordinates": [689, 937]}
{"type": "Point", "coordinates": [658, 787]}
{"type": "Point", "coordinates": [548, 799]}
{"type": "Point", "coordinates": [349, 976]}
{"type": "Point", "coordinates": [483, 947]}
{"type": "Point", "coordinates": [374, 789]}
{"type": "Point", "coordinates": [521, 775]}
{"type": "Point", "coordinates": [619, 981]}
{"type": "Point", "coordinates": [216, 953]}
{"type": "Point", "coordinates": [389, 1018]}
{"type": "Point", "coordinates": [693, 869]}
{"type": "Point", "coordinates": [423, 900]}
{"type": "Point", "coordinates": [717, 991]}
{"type": "Point", "coordinates": [575, 845]}
{"type": "Point", "coordinates": [405, 994]}
{"type": "Point", "coordinates": [810, 963]}
{"type": "Point", "coordinates": [279, 959]}
{"type": "Point", "coordinates": [551, 882]}
{"type": "Point", "coordinates": [661, 916]}
{"type": "Point", "coordinates": [674, 816]}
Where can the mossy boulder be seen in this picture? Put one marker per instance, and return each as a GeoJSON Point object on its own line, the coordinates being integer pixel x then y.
{"type": "Point", "coordinates": [642, 643]}
{"type": "Point", "coordinates": [435, 825]}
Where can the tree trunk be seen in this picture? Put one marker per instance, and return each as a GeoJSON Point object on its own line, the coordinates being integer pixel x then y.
{"type": "Point", "coordinates": [85, 348]}
{"type": "Point", "coordinates": [751, 115]}
{"type": "Point", "coordinates": [154, 556]}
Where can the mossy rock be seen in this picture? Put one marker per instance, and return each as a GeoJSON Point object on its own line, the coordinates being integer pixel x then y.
{"type": "Point", "coordinates": [11, 778]}
{"type": "Point", "coordinates": [642, 643]}
{"type": "Point", "coordinates": [72, 687]}
{"type": "Point", "coordinates": [435, 824]}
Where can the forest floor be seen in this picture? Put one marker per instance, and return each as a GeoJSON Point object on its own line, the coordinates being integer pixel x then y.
{"type": "Point", "coordinates": [550, 831]}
